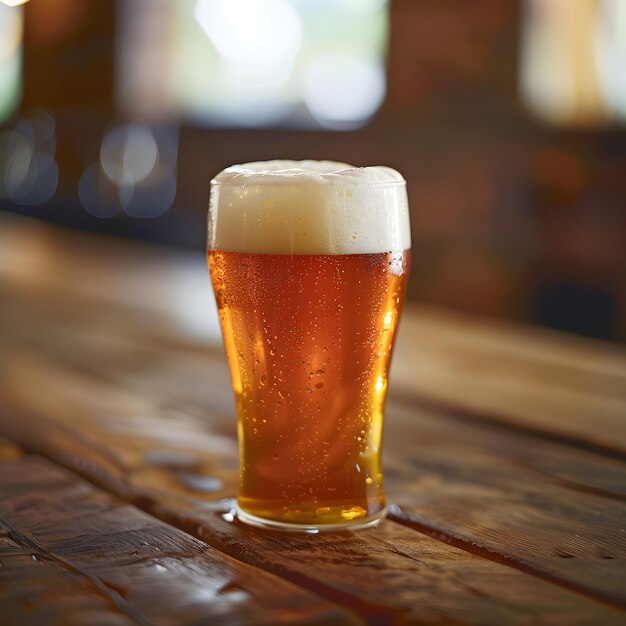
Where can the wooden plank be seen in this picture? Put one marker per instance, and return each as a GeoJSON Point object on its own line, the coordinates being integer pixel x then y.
{"type": "Point", "coordinates": [414, 580]}
{"type": "Point", "coordinates": [36, 589]}
{"type": "Point", "coordinates": [540, 380]}
{"type": "Point", "coordinates": [156, 285]}
{"type": "Point", "coordinates": [545, 508]}
{"type": "Point", "coordinates": [74, 555]}
{"type": "Point", "coordinates": [131, 444]}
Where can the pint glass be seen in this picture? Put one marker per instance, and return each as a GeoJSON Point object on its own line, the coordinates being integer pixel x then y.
{"type": "Point", "coordinates": [309, 263]}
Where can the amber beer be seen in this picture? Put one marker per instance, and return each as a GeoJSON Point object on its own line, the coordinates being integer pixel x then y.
{"type": "Point", "coordinates": [309, 336]}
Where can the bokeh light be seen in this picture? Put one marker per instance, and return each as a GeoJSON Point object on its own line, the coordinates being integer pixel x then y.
{"type": "Point", "coordinates": [129, 153]}
{"type": "Point", "coordinates": [264, 62]}
{"type": "Point", "coordinates": [135, 173]}
{"type": "Point", "coordinates": [152, 198]}
{"type": "Point", "coordinates": [573, 56]}
{"type": "Point", "coordinates": [343, 91]}
{"type": "Point", "coordinates": [611, 55]}
{"type": "Point", "coordinates": [13, 3]}
{"type": "Point", "coordinates": [28, 169]}
{"type": "Point", "coordinates": [258, 39]}
{"type": "Point", "coordinates": [98, 194]}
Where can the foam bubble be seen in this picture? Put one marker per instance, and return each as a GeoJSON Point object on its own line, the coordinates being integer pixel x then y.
{"type": "Point", "coordinates": [308, 207]}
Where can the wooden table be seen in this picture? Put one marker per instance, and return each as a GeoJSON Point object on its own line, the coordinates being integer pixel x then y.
{"type": "Point", "coordinates": [505, 450]}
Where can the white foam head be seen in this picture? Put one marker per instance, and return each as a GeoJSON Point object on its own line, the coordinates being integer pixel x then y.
{"type": "Point", "coordinates": [308, 207]}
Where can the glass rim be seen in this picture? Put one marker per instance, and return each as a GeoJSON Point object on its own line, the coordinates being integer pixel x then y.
{"type": "Point", "coordinates": [390, 183]}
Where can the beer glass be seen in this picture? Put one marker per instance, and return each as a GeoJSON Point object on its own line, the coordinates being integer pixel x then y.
{"type": "Point", "coordinates": [309, 263]}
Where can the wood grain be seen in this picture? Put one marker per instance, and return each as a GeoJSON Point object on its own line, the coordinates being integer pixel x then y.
{"type": "Point", "coordinates": [74, 555]}
{"type": "Point", "coordinates": [124, 445]}
{"type": "Point", "coordinates": [539, 506]}
{"type": "Point", "coordinates": [548, 382]}
{"type": "Point", "coordinates": [36, 589]}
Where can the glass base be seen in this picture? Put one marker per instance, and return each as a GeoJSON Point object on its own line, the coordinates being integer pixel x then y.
{"type": "Point", "coordinates": [357, 524]}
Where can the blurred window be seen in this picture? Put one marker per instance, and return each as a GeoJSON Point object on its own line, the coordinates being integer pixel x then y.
{"type": "Point", "coordinates": [11, 26]}
{"type": "Point", "coordinates": [573, 60]}
{"type": "Point", "coordinates": [253, 63]}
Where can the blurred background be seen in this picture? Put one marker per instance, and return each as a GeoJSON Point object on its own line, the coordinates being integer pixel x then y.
{"type": "Point", "coordinates": [507, 117]}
